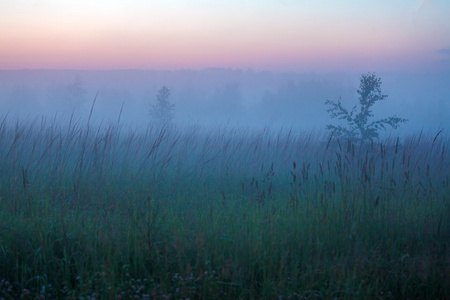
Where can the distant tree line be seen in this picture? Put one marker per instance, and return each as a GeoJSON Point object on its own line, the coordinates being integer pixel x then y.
{"type": "Point", "coordinates": [359, 124]}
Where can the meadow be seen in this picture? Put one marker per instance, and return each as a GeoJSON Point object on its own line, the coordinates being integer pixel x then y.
{"type": "Point", "coordinates": [108, 211]}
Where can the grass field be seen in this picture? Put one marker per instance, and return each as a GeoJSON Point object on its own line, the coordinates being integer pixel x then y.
{"type": "Point", "coordinates": [111, 212]}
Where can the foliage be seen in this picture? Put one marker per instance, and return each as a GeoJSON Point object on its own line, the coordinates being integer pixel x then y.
{"type": "Point", "coordinates": [162, 112]}
{"type": "Point", "coordinates": [358, 125]}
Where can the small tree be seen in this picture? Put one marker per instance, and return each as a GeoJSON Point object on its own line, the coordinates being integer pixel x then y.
{"type": "Point", "coordinates": [358, 125]}
{"type": "Point", "coordinates": [162, 111]}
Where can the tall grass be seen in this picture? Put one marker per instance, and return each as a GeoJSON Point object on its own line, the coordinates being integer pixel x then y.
{"type": "Point", "coordinates": [107, 211]}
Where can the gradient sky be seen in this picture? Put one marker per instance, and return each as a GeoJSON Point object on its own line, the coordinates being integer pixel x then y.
{"type": "Point", "coordinates": [277, 35]}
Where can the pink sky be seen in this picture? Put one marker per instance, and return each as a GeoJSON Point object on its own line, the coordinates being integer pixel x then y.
{"type": "Point", "coordinates": [263, 35]}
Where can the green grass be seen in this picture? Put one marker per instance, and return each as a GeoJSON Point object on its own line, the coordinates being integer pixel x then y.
{"type": "Point", "coordinates": [109, 212]}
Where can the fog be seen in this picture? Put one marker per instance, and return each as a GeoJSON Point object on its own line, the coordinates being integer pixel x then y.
{"type": "Point", "coordinates": [230, 96]}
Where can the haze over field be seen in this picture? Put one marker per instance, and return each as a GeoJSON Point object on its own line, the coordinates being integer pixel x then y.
{"type": "Point", "coordinates": [257, 62]}
{"type": "Point", "coordinates": [223, 96]}
{"type": "Point", "coordinates": [224, 149]}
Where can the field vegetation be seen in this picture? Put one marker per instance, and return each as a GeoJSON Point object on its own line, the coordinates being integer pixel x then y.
{"type": "Point", "coordinates": [108, 211]}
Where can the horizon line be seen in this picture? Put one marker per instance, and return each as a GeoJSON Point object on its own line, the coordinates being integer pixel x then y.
{"type": "Point", "coordinates": [229, 69]}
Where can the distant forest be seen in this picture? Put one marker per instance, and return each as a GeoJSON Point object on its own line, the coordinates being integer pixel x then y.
{"type": "Point", "coordinates": [244, 97]}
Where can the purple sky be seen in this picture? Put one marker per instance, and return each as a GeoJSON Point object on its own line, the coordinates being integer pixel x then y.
{"type": "Point", "coordinates": [285, 35]}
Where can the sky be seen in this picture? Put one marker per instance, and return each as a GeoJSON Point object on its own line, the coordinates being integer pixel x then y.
{"type": "Point", "coordinates": [273, 35]}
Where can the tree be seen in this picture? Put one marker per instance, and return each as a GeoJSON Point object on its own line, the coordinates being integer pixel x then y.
{"type": "Point", "coordinates": [358, 125]}
{"type": "Point", "coordinates": [73, 94]}
{"type": "Point", "coordinates": [162, 112]}
{"type": "Point", "coordinates": [76, 90]}
{"type": "Point", "coordinates": [228, 99]}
